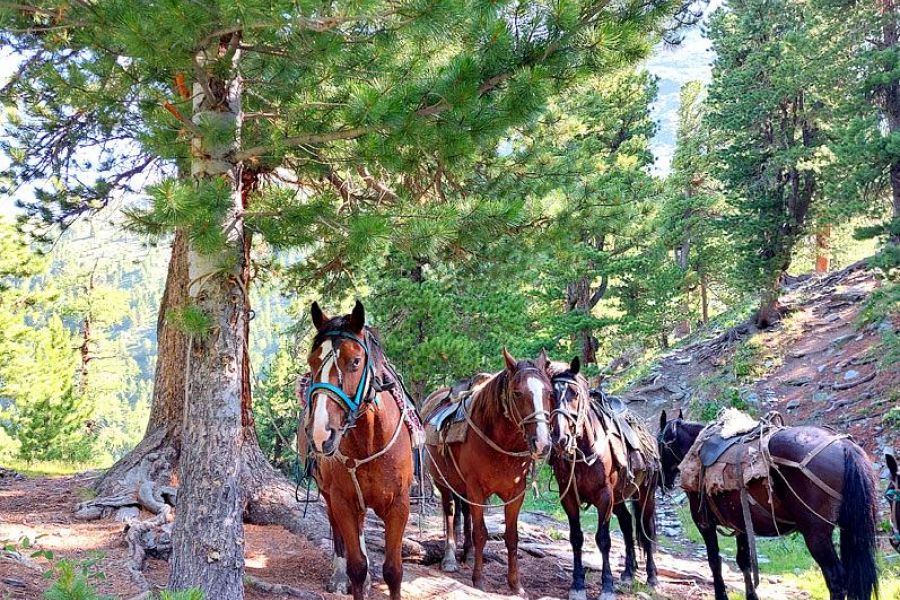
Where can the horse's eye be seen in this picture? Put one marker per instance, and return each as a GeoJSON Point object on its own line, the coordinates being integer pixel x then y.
{"type": "Point", "coordinates": [354, 364]}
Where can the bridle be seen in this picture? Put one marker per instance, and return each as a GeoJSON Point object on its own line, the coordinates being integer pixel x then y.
{"type": "Point", "coordinates": [365, 396]}
{"type": "Point", "coordinates": [892, 494]}
{"type": "Point", "coordinates": [350, 405]}
{"type": "Point", "coordinates": [667, 445]}
{"type": "Point", "coordinates": [576, 418]}
{"type": "Point", "coordinates": [511, 412]}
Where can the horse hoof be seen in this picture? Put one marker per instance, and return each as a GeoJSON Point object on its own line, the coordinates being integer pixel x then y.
{"type": "Point", "coordinates": [449, 565]}
{"type": "Point", "coordinates": [577, 595]}
{"type": "Point", "coordinates": [627, 579]}
{"type": "Point", "coordinates": [653, 581]}
{"type": "Point", "coordinates": [520, 592]}
{"type": "Point", "coordinates": [478, 585]}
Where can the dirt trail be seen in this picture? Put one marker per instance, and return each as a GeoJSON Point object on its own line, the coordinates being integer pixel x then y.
{"type": "Point", "coordinates": [41, 508]}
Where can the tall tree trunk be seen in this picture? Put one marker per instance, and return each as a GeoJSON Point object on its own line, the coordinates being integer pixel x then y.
{"type": "Point", "coordinates": [891, 105]}
{"type": "Point", "coordinates": [704, 295]}
{"type": "Point", "coordinates": [683, 258]}
{"type": "Point", "coordinates": [580, 297]}
{"type": "Point", "coordinates": [208, 537]}
{"type": "Point", "coordinates": [823, 249]}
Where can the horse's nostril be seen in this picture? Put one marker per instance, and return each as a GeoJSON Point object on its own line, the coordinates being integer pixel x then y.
{"type": "Point", "coordinates": [328, 446]}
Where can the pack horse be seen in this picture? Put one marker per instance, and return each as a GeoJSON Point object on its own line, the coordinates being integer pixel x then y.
{"type": "Point", "coordinates": [361, 429]}
{"type": "Point", "coordinates": [769, 479]}
{"type": "Point", "coordinates": [505, 419]}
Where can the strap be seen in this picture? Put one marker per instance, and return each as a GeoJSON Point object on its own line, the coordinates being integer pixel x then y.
{"type": "Point", "coordinates": [802, 465]}
{"type": "Point", "coordinates": [748, 524]}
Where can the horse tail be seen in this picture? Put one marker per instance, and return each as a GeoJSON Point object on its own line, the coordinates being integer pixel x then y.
{"type": "Point", "coordinates": [857, 520]}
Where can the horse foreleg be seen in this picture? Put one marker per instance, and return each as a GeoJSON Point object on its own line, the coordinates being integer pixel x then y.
{"type": "Point", "coordinates": [576, 538]}
{"type": "Point", "coordinates": [744, 564]}
{"type": "Point", "coordinates": [820, 545]}
{"type": "Point", "coordinates": [626, 524]}
{"type": "Point", "coordinates": [511, 537]}
{"type": "Point", "coordinates": [646, 520]}
{"type": "Point", "coordinates": [338, 582]}
{"type": "Point", "coordinates": [604, 543]}
{"type": "Point", "coordinates": [467, 530]}
{"type": "Point", "coordinates": [351, 530]}
{"type": "Point", "coordinates": [449, 504]}
{"type": "Point", "coordinates": [479, 535]}
{"type": "Point", "coordinates": [394, 528]}
{"type": "Point", "coordinates": [708, 531]}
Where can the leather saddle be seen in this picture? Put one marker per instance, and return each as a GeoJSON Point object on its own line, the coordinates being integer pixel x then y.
{"type": "Point", "coordinates": [713, 447]}
{"type": "Point", "coordinates": [611, 411]}
{"type": "Point", "coordinates": [454, 407]}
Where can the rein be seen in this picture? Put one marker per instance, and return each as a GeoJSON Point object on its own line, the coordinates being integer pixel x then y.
{"type": "Point", "coordinates": [354, 407]}
{"type": "Point", "coordinates": [520, 423]}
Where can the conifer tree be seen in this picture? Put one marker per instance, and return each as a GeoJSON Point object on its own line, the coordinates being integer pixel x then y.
{"type": "Point", "coordinates": [766, 114]}
{"type": "Point", "coordinates": [349, 99]}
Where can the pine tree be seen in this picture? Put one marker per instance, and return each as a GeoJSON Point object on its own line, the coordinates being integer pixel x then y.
{"type": "Point", "coordinates": [347, 99]}
{"type": "Point", "coordinates": [766, 114]}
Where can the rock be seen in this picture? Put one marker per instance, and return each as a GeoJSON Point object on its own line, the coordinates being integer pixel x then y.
{"type": "Point", "coordinates": [851, 374]}
{"type": "Point", "coordinates": [821, 396]}
{"type": "Point", "coordinates": [799, 381]}
{"type": "Point", "coordinates": [683, 361]}
{"type": "Point", "coordinates": [832, 318]}
{"type": "Point", "coordinates": [797, 353]}
{"type": "Point", "coordinates": [884, 327]}
{"type": "Point", "coordinates": [752, 398]}
{"type": "Point", "coordinates": [842, 339]}
{"type": "Point", "coordinates": [773, 579]}
{"type": "Point", "coordinates": [792, 405]}
{"type": "Point", "coordinates": [14, 582]}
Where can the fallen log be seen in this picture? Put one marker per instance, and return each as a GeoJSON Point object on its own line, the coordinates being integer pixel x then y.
{"type": "Point", "coordinates": [281, 589]}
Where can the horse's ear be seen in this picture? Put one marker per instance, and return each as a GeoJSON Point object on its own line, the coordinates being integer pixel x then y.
{"type": "Point", "coordinates": [662, 420]}
{"type": "Point", "coordinates": [542, 361]}
{"type": "Point", "coordinates": [680, 415]}
{"type": "Point", "coordinates": [318, 317]}
{"type": "Point", "coordinates": [575, 366]}
{"type": "Point", "coordinates": [510, 361]}
{"type": "Point", "coordinates": [891, 463]}
{"type": "Point", "coordinates": [358, 317]}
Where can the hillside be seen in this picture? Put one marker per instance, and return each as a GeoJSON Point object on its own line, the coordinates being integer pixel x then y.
{"type": "Point", "coordinates": [832, 361]}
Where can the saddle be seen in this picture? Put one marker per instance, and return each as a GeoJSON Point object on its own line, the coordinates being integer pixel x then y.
{"type": "Point", "coordinates": [728, 454]}
{"type": "Point", "coordinates": [446, 410]}
{"type": "Point", "coordinates": [612, 412]}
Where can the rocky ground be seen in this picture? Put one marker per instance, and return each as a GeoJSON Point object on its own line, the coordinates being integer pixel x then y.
{"type": "Point", "coordinates": [817, 366]}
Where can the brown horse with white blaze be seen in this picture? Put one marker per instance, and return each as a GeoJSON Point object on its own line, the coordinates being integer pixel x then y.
{"type": "Point", "coordinates": [362, 449]}
{"type": "Point", "coordinates": [508, 420]}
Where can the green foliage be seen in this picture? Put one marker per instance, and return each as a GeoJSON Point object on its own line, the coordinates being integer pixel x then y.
{"type": "Point", "coordinates": [276, 407]}
{"type": "Point", "coordinates": [74, 580]}
{"type": "Point", "coordinates": [191, 319]}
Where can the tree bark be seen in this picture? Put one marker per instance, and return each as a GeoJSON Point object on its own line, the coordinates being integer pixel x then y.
{"type": "Point", "coordinates": [208, 537]}
{"type": "Point", "coordinates": [580, 297]}
{"type": "Point", "coordinates": [823, 249]}
{"type": "Point", "coordinates": [890, 96]}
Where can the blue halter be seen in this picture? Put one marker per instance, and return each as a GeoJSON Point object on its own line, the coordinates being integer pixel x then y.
{"type": "Point", "coordinates": [351, 405]}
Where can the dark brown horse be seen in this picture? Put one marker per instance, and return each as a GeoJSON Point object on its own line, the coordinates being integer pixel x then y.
{"type": "Point", "coordinates": [893, 497]}
{"type": "Point", "coordinates": [363, 451]}
{"type": "Point", "coordinates": [587, 473]}
{"type": "Point", "coordinates": [508, 428]}
{"type": "Point", "coordinates": [834, 487]}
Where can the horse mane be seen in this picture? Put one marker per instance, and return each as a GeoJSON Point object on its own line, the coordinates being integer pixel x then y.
{"type": "Point", "coordinates": [557, 368]}
{"type": "Point", "coordinates": [370, 336]}
{"type": "Point", "coordinates": [488, 397]}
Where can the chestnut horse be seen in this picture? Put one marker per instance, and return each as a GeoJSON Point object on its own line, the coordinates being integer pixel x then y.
{"type": "Point", "coordinates": [508, 429]}
{"type": "Point", "coordinates": [893, 497]}
{"type": "Point", "coordinates": [363, 450]}
{"type": "Point", "coordinates": [818, 481]}
{"type": "Point", "coordinates": [587, 473]}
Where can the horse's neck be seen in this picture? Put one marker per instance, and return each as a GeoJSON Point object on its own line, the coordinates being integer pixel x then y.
{"type": "Point", "coordinates": [374, 428]}
{"type": "Point", "coordinates": [495, 422]}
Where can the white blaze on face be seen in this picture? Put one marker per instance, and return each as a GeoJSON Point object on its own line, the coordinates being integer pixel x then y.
{"type": "Point", "coordinates": [320, 433]}
{"type": "Point", "coordinates": [537, 396]}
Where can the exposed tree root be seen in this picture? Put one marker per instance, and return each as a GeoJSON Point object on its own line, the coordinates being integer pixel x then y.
{"type": "Point", "coordinates": [281, 589]}
{"type": "Point", "coordinates": [151, 537]}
